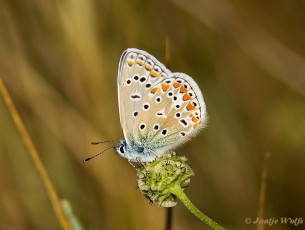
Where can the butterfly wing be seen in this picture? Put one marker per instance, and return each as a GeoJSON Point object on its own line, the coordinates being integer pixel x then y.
{"type": "Point", "coordinates": [171, 113]}
{"type": "Point", "coordinates": [137, 74]}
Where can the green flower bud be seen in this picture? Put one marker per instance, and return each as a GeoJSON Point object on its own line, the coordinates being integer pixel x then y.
{"type": "Point", "coordinates": [159, 179]}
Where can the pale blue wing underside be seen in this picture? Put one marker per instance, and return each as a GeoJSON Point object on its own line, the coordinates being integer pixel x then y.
{"type": "Point", "coordinates": [128, 106]}
{"type": "Point", "coordinates": [142, 82]}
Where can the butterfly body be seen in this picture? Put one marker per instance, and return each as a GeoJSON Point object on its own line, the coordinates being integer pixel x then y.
{"type": "Point", "coordinates": [134, 151]}
{"type": "Point", "coordinates": [159, 110]}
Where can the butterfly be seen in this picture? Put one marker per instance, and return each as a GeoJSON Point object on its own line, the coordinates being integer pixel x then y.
{"type": "Point", "coordinates": [159, 110]}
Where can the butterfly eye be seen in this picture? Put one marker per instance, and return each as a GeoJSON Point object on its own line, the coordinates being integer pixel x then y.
{"type": "Point", "coordinates": [122, 149]}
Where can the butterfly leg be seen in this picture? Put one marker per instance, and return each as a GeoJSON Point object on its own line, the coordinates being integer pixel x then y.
{"type": "Point", "coordinates": [140, 163]}
{"type": "Point", "coordinates": [137, 165]}
{"type": "Point", "coordinates": [130, 162]}
{"type": "Point", "coordinates": [153, 153]}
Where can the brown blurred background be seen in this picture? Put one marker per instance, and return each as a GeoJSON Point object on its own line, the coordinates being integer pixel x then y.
{"type": "Point", "coordinates": [59, 61]}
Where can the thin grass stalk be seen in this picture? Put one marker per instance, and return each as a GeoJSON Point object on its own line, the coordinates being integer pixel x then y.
{"type": "Point", "coordinates": [36, 159]}
{"type": "Point", "coordinates": [260, 212]}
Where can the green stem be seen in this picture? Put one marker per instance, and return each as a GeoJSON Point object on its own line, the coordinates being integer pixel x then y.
{"type": "Point", "coordinates": [181, 195]}
{"type": "Point", "coordinates": [169, 212]}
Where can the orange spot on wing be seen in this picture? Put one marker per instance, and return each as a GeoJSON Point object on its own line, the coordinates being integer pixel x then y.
{"type": "Point", "coordinates": [191, 115]}
{"type": "Point", "coordinates": [183, 90]}
{"type": "Point", "coordinates": [154, 74]}
{"type": "Point", "coordinates": [194, 126]}
{"type": "Point", "coordinates": [186, 97]}
{"type": "Point", "coordinates": [139, 62]}
{"type": "Point", "coordinates": [153, 90]}
{"type": "Point", "coordinates": [129, 63]}
{"type": "Point", "coordinates": [190, 106]}
{"type": "Point", "coordinates": [165, 87]}
{"type": "Point", "coordinates": [195, 120]}
{"type": "Point", "coordinates": [147, 67]}
{"type": "Point", "coordinates": [176, 85]}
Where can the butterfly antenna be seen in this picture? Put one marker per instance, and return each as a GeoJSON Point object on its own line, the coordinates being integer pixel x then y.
{"type": "Point", "coordinates": [101, 142]}
{"type": "Point", "coordinates": [89, 158]}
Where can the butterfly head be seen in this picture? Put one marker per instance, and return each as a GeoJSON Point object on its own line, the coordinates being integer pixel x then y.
{"type": "Point", "coordinates": [121, 148]}
{"type": "Point", "coordinates": [134, 151]}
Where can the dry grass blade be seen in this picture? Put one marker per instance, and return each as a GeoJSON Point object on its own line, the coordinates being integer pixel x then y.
{"type": "Point", "coordinates": [35, 157]}
{"type": "Point", "coordinates": [167, 52]}
{"type": "Point", "coordinates": [260, 214]}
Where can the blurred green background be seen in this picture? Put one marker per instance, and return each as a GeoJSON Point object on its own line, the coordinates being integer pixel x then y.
{"type": "Point", "coordinates": [59, 61]}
